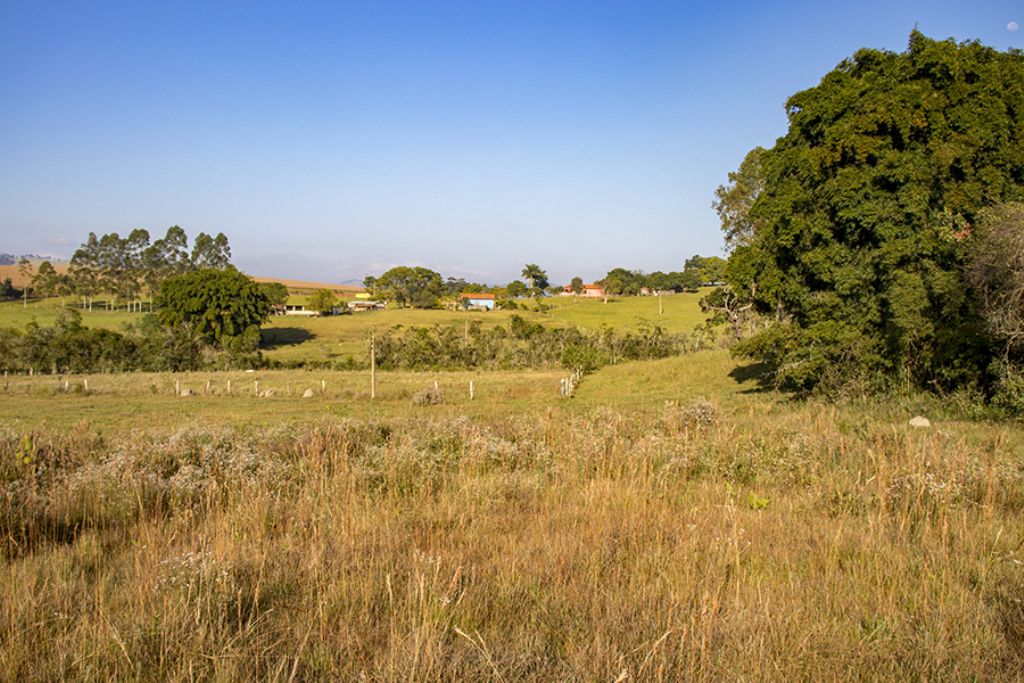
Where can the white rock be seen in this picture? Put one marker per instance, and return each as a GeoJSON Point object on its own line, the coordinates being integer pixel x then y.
{"type": "Point", "coordinates": [308, 393]}
{"type": "Point", "coordinates": [186, 392]}
{"type": "Point", "coordinates": [920, 421]}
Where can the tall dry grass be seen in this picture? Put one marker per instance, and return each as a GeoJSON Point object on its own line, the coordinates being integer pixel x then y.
{"type": "Point", "coordinates": [809, 543]}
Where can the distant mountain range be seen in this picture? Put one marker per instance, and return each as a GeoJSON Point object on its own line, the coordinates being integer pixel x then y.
{"type": "Point", "coordinates": [11, 259]}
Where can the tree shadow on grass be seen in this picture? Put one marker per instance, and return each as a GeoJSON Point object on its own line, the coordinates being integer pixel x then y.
{"type": "Point", "coordinates": [758, 373]}
{"type": "Point", "coordinates": [283, 336]}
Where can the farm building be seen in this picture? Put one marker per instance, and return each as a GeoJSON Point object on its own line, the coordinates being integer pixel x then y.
{"type": "Point", "coordinates": [595, 291]}
{"type": "Point", "coordinates": [476, 301]}
{"type": "Point", "coordinates": [297, 309]}
{"type": "Point", "coordinates": [366, 304]}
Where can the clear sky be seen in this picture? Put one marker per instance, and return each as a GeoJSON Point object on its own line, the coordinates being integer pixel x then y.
{"type": "Point", "coordinates": [331, 140]}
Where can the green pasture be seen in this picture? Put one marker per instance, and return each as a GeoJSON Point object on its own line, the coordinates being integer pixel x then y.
{"type": "Point", "coordinates": [678, 313]}
{"type": "Point", "coordinates": [338, 337]}
{"type": "Point", "coordinates": [46, 311]}
{"type": "Point", "coordinates": [294, 338]}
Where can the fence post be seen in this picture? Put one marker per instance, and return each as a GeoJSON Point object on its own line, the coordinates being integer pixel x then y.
{"type": "Point", "coordinates": [373, 368]}
{"type": "Point", "coordinates": [229, 387]}
{"type": "Point", "coordinates": [470, 390]}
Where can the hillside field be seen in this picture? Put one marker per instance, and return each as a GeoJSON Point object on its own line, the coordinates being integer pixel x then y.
{"type": "Point", "coordinates": [673, 520]}
{"type": "Point", "coordinates": [340, 337]}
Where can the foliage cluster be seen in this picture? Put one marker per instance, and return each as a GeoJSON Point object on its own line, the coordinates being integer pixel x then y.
{"type": "Point", "coordinates": [521, 344]}
{"type": "Point", "coordinates": [128, 266]}
{"type": "Point", "coordinates": [856, 226]}
{"type": "Point", "coordinates": [697, 271]}
{"type": "Point", "coordinates": [223, 307]}
{"type": "Point", "coordinates": [8, 291]}
{"type": "Point", "coordinates": [416, 287]}
{"type": "Point", "coordinates": [70, 347]}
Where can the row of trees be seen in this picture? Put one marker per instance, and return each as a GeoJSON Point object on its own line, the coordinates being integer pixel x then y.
{"type": "Point", "coordinates": [128, 267]}
{"type": "Point", "coordinates": [69, 346]}
{"type": "Point", "coordinates": [205, 318]}
{"type": "Point", "coordinates": [522, 344]}
{"type": "Point", "coordinates": [420, 287]}
{"type": "Point", "coordinates": [868, 230]}
{"type": "Point", "coordinates": [697, 271]}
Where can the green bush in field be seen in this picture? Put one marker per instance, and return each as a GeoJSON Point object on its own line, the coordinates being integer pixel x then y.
{"type": "Point", "coordinates": [523, 344]}
{"type": "Point", "coordinates": [585, 359]}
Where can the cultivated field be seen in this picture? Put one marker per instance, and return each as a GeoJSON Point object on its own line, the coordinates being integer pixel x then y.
{"type": "Point", "coordinates": [672, 521]}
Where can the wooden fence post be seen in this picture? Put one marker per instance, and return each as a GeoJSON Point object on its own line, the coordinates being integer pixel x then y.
{"type": "Point", "coordinates": [373, 368]}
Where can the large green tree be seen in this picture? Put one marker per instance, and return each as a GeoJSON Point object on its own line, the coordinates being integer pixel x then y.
{"type": "Point", "coordinates": [858, 228]}
{"type": "Point", "coordinates": [410, 286]}
{"type": "Point", "coordinates": [323, 301]}
{"type": "Point", "coordinates": [215, 304]}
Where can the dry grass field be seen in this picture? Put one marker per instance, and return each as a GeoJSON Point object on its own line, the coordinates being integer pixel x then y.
{"type": "Point", "coordinates": [671, 522]}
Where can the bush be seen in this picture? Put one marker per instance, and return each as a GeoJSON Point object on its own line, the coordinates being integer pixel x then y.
{"type": "Point", "coordinates": [428, 397]}
{"type": "Point", "coordinates": [584, 358]}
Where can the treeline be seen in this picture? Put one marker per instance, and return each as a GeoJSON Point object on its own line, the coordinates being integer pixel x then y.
{"type": "Point", "coordinates": [419, 287]}
{"type": "Point", "coordinates": [149, 346]}
{"type": "Point", "coordinates": [524, 344]}
{"type": "Point", "coordinates": [129, 267]}
{"type": "Point", "coordinates": [206, 318]}
{"type": "Point", "coordinates": [70, 347]}
{"type": "Point", "coordinates": [697, 272]}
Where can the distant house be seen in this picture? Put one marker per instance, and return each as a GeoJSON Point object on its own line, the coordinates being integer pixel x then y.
{"type": "Point", "coordinates": [365, 304]}
{"type": "Point", "coordinates": [594, 291]}
{"type": "Point", "coordinates": [297, 309]}
{"type": "Point", "coordinates": [476, 301]}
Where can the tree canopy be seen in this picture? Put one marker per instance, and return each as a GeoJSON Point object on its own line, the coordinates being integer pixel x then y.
{"type": "Point", "coordinates": [323, 301]}
{"type": "Point", "coordinates": [856, 223]}
{"type": "Point", "coordinates": [215, 304]}
{"type": "Point", "coordinates": [127, 266]}
{"type": "Point", "coordinates": [417, 287]}
{"type": "Point", "coordinates": [537, 277]}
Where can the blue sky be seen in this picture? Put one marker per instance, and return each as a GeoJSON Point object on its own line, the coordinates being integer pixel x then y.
{"type": "Point", "coordinates": [331, 140]}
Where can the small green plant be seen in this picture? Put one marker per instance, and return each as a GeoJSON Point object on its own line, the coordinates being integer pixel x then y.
{"type": "Point", "coordinates": [756, 502]}
{"type": "Point", "coordinates": [24, 451]}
